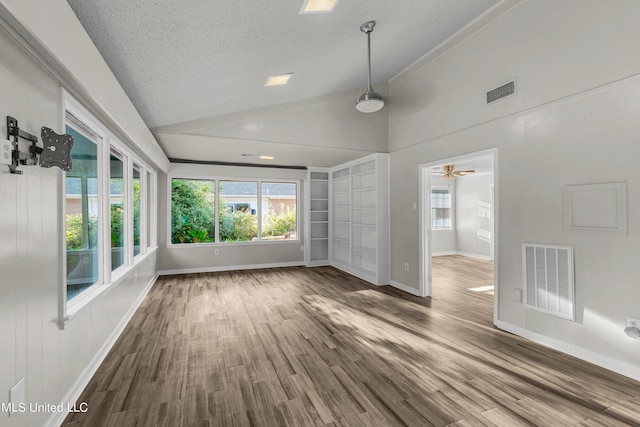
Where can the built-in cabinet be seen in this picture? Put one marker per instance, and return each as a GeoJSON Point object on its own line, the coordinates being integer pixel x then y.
{"type": "Point", "coordinates": [317, 240]}
{"type": "Point", "coordinates": [360, 218]}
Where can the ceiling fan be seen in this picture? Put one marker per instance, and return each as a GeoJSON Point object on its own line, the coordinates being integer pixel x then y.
{"type": "Point", "coordinates": [448, 171]}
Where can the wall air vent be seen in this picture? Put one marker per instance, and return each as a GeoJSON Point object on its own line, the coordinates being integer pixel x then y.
{"type": "Point", "coordinates": [501, 92]}
{"type": "Point", "coordinates": [548, 279]}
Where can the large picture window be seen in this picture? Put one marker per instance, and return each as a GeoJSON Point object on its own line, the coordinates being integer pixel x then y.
{"type": "Point", "coordinates": [238, 207]}
{"type": "Point", "coordinates": [247, 211]}
{"type": "Point", "coordinates": [279, 217]}
{"type": "Point", "coordinates": [192, 211]}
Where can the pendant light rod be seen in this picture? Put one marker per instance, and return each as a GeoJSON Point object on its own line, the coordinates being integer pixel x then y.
{"type": "Point", "coordinates": [367, 28]}
{"type": "Point", "coordinates": [370, 101]}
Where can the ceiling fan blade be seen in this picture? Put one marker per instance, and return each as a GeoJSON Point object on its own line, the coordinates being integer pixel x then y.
{"type": "Point", "coordinates": [462, 173]}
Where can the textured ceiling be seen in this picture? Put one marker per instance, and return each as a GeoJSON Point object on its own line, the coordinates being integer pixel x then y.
{"type": "Point", "coordinates": [182, 60]}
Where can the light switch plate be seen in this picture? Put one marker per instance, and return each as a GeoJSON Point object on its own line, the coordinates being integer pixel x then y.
{"type": "Point", "coordinates": [6, 147]}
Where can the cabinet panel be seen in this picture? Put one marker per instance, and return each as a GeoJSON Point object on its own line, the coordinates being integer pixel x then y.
{"type": "Point", "coordinates": [360, 218]}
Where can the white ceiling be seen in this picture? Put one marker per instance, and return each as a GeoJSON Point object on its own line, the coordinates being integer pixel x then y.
{"type": "Point", "coordinates": [193, 60]}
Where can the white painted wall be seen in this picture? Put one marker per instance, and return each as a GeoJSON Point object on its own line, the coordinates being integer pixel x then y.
{"type": "Point", "coordinates": [470, 190]}
{"type": "Point", "coordinates": [574, 120]}
{"type": "Point", "coordinates": [52, 361]}
{"type": "Point", "coordinates": [189, 258]}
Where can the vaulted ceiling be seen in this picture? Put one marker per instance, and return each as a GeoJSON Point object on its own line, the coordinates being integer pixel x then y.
{"type": "Point", "coordinates": [195, 70]}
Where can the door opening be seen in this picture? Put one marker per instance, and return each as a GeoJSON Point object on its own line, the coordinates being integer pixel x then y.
{"type": "Point", "coordinates": [458, 236]}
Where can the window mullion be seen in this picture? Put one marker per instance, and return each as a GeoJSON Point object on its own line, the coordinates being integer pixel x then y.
{"type": "Point", "coordinates": [104, 179]}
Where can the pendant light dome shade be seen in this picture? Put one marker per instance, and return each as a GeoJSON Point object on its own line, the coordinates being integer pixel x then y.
{"type": "Point", "coordinates": [370, 101]}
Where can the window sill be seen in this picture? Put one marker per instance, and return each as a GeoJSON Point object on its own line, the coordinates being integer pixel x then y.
{"type": "Point", "coordinates": [227, 244]}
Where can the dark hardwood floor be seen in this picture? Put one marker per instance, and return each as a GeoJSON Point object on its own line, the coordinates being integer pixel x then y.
{"type": "Point", "coordinates": [305, 347]}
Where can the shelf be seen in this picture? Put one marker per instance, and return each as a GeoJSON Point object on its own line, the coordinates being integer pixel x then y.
{"type": "Point", "coordinates": [340, 239]}
{"type": "Point", "coordinates": [319, 238]}
{"type": "Point", "coordinates": [365, 250]}
{"type": "Point", "coordinates": [367, 208]}
{"type": "Point", "coordinates": [363, 225]}
{"type": "Point", "coordinates": [319, 222]}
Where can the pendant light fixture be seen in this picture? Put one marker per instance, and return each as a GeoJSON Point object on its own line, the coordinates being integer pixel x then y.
{"type": "Point", "coordinates": [370, 101]}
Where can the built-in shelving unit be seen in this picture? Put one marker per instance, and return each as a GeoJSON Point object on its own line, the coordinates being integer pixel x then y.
{"type": "Point", "coordinates": [317, 249]}
{"type": "Point", "coordinates": [360, 218]}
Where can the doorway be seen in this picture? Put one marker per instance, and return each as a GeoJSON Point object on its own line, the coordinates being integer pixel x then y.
{"type": "Point", "coordinates": [458, 228]}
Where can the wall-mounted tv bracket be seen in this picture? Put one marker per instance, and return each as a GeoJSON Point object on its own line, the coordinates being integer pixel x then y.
{"type": "Point", "coordinates": [56, 151]}
{"type": "Point", "coordinates": [18, 157]}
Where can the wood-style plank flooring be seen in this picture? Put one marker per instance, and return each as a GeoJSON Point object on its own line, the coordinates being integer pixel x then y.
{"type": "Point", "coordinates": [306, 347]}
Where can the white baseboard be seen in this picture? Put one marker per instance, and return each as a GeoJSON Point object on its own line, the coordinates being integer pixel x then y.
{"type": "Point", "coordinates": [57, 418]}
{"type": "Point", "coordinates": [322, 263]}
{"type": "Point", "coordinates": [619, 366]}
{"type": "Point", "coordinates": [405, 288]}
{"type": "Point", "coordinates": [470, 255]}
{"type": "Point", "coordinates": [445, 253]}
{"type": "Point", "coordinates": [230, 268]}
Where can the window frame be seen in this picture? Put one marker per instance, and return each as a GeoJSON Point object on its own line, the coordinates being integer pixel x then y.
{"type": "Point", "coordinates": [452, 210]}
{"type": "Point", "coordinates": [217, 179]}
{"type": "Point", "coordinates": [107, 142]}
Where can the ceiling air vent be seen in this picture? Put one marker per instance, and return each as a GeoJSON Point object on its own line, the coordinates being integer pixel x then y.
{"type": "Point", "coordinates": [501, 92]}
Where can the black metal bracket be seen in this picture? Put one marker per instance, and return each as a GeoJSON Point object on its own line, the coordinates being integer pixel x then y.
{"type": "Point", "coordinates": [58, 148]}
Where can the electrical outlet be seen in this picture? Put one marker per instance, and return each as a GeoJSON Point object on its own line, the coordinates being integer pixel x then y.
{"type": "Point", "coordinates": [6, 148]}
{"type": "Point", "coordinates": [517, 294]}
{"type": "Point", "coordinates": [406, 266]}
{"type": "Point", "coordinates": [635, 323]}
{"type": "Point", "coordinates": [216, 251]}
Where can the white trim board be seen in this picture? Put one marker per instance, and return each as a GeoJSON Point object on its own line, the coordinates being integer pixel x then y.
{"type": "Point", "coordinates": [406, 288]}
{"type": "Point", "coordinates": [618, 366]}
{"type": "Point", "coordinates": [470, 255]}
{"type": "Point", "coordinates": [74, 392]}
{"type": "Point", "coordinates": [230, 268]}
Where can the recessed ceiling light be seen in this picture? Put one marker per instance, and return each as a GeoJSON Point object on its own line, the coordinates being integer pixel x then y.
{"type": "Point", "coordinates": [278, 80]}
{"type": "Point", "coordinates": [267, 157]}
{"type": "Point", "coordinates": [318, 6]}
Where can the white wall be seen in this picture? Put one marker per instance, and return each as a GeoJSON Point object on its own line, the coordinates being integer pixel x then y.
{"type": "Point", "coordinates": [188, 258]}
{"type": "Point", "coordinates": [471, 190]}
{"type": "Point", "coordinates": [574, 120]}
{"type": "Point", "coordinates": [54, 362]}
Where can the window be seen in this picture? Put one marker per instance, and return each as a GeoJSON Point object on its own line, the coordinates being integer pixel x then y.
{"type": "Point", "coordinates": [108, 216]}
{"type": "Point", "coordinates": [192, 211]}
{"type": "Point", "coordinates": [136, 209]}
{"type": "Point", "coordinates": [117, 209]}
{"type": "Point", "coordinates": [238, 206]}
{"type": "Point", "coordinates": [81, 211]}
{"type": "Point", "coordinates": [244, 211]}
{"type": "Point", "coordinates": [441, 209]}
{"type": "Point", "coordinates": [279, 218]}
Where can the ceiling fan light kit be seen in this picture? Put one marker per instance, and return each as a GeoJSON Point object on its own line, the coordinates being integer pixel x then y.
{"type": "Point", "coordinates": [370, 101]}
